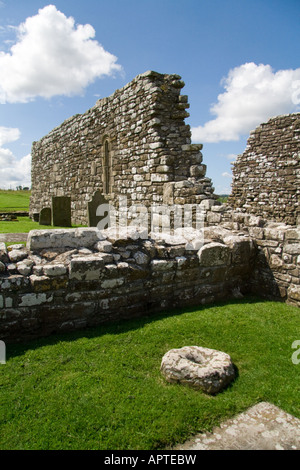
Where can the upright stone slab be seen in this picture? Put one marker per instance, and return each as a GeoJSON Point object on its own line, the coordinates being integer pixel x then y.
{"type": "Point", "coordinates": [61, 211]}
{"type": "Point", "coordinates": [45, 216]}
{"type": "Point", "coordinates": [97, 200]}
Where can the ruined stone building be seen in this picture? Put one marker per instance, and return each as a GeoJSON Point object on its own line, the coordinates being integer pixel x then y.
{"type": "Point", "coordinates": [134, 143]}
{"type": "Point", "coordinates": [266, 177]}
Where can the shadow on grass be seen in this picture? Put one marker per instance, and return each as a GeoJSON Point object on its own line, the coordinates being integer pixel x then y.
{"type": "Point", "coordinates": [119, 326]}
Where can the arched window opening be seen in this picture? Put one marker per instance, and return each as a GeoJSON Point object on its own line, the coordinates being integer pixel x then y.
{"type": "Point", "coordinates": [106, 168]}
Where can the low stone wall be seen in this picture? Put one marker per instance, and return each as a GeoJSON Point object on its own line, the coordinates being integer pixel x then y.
{"type": "Point", "coordinates": [71, 279]}
{"type": "Point", "coordinates": [276, 272]}
{"type": "Point", "coordinates": [49, 288]}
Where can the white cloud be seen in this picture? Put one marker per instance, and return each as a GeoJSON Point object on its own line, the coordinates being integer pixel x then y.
{"type": "Point", "coordinates": [8, 134]}
{"type": "Point", "coordinates": [6, 158]}
{"type": "Point", "coordinates": [52, 56]}
{"type": "Point", "coordinates": [18, 173]}
{"type": "Point", "coordinates": [225, 174]}
{"type": "Point", "coordinates": [253, 94]}
{"type": "Point", "coordinates": [13, 172]}
{"type": "Point", "coordinates": [231, 157]}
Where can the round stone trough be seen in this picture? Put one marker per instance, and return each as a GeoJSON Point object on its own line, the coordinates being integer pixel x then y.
{"type": "Point", "coordinates": [201, 368]}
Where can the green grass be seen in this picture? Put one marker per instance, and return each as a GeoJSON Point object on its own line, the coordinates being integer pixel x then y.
{"type": "Point", "coordinates": [24, 225]}
{"type": "Point", "coordinates": [14, 200]}
{"type": "Point", "coordinates": [223, 198]}
{"type": "Point", "coordinates": [19, 201]}
{"type": "Point", "coordinates": [102, 388]}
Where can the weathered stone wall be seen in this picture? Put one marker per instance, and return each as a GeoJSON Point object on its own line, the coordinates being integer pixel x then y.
{"type": "Point", "coordinates": [68, 279]}
{"type": "Point", "coordinates": [266, 177]}
{"type": "Point", "coordinates": [276, 271]}
{"type": "Point", "coordinates": [49, 288]}
{"type": "Point", "coordinates": [133, 143]}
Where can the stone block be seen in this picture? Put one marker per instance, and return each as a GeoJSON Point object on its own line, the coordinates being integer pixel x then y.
{"type": "Point", "coordinates": [275, 233]}
{"type": "Point", "coordinates": [87, 269]}
{"type": "Point", "coordinates": [214, 254]}
{"type": "Point", "coordinates": [256, 232]}
{"type": "Point", "coordinates": [24, 267]}
{"type": "Point", "coordinates": [162, 265]}
{"type": "Point", "coordinates": [112, 283]}
{"type": "Point", "coordinates": [104, 246]}
{"type": "Point", "coordinates": [17, 255]}
{"type": "Point", "coordinates": [206, 204]}
{"type": "Point", "coordinates": [60, 238]}
{"type": "Point", "coordinates": [292, 248]}
{"type": "Point", "coordinates": [3, 253]}
{"type": "Point", "coordinates": [14, 283]}
{"type": "Point", "coordinates": [31, 299]}
{"type": "Point", "coordinates": [45, 283]}
{"type": "Point", "coordinates": [197, 170]}
{"type": "Point", "coordinates": [141, 258]}
{"type": "Point", "coordinates": [294, 292]}
{"type": "Point", "coordinates": [241, 247]}
{"type": "Point", "coordinates": [213, 218]}
{"type": "Point", "coordinates": [54, 269]}
{"type": "Point", "coordinates": [276, 262]}
{"type": "Point", "coordinates": [293, 234]}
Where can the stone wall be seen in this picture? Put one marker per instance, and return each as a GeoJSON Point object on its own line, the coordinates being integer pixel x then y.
{"type": "Point", "coordinates": [133, 143]}
{"type": "Point", "coordinates": [77, 278]}
{"type": "Point", "coordinates": [266, 177]}
{"type": "Point", "coordinates": [49, 287]}
{"type": "Point", "coordinates": [276, 271]}
{"type": "Point", "coordinates": [136, 144]}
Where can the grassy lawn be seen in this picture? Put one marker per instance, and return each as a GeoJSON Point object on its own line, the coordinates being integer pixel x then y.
{"type": "Point", "coordinates": [102, 388]}
{"type": "Point", "coordinates": [19, 201]}
{"type": "Point", "coordinates": [24, 225]}
{"type": "Point", "coordinates": [14, 200]}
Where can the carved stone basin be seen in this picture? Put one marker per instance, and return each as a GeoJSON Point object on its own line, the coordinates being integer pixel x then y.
{"type": "Point", "coordinates": [201, 368]}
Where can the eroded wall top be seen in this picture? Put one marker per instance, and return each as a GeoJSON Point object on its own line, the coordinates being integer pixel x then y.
{"type": "Point", "coordinates": [266, 177]}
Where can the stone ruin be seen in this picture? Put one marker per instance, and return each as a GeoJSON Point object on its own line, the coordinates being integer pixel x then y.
{"type": "Point", "coordinates": [67, 279]}
{"type": "Point", "coordinates": [136, 144]}
{"type": "Point", "coordinates": [266, 177]}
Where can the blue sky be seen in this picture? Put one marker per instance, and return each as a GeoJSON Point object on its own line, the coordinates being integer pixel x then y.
{"type": "Point", "coordinates": [239, 60]}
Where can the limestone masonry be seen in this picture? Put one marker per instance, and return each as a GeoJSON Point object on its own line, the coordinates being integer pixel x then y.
{"type": "Point", "coordinates": [68, 279]}
{"type": "Point", "coordinates": [267, 175]}
{"type": "Point", "coordinates": [133, 143]}
{"type": "Point", "coordinates": [136, 144]}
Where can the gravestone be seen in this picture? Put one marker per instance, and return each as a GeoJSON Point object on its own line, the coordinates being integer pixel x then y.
{"type": "Point", "coordinates": [97, 200]}
{"type": "Point", "coordinates": [2, 352]}
{"type": "Point", "coordinates": [61, 211]}
{"type": "Point", "coordinates": [45, 216]}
